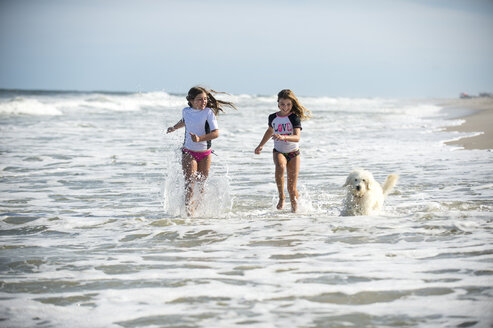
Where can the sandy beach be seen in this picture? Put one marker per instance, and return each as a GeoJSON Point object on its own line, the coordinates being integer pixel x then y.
{"type": "Point", "coordinates": [479, 120]}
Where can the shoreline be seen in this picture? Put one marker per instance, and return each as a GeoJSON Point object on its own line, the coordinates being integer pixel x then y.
{"type": "Point", "coordinates": [479, 118]}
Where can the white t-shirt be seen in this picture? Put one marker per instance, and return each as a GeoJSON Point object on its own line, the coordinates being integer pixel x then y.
{"type": "Point", "coordinates": [199, 122]}
{"type": "Point", "coordinates": [284, 125]}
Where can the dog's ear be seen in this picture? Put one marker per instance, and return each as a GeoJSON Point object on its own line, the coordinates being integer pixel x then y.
{"type": "Point", "coordinates": [347, 181]}
{"type": "Point", "coordinates": [369, 183]}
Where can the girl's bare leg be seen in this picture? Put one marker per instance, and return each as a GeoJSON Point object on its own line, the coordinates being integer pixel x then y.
{"type": "Point", "coordinates": [203, 171]}
{"type": "Point", "coordinates": [199, 176]}
{"type": "Point", "coordinates": [280, 163]}
{"type": "Point", "coordinates": [189, 167]}
{"type": "Point", "coordinates": [293, 170]}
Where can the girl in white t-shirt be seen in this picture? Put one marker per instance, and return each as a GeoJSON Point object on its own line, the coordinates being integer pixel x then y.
{"type": "Point", "coordinates": [199, 120]}
{"type": "Point", "coordinates": [285, 129]}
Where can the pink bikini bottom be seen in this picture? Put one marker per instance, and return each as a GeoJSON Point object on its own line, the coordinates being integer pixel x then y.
{"type": "Point", "coordinates": [198, 155]}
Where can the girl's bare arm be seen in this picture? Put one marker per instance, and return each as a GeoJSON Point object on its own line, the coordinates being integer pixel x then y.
{"type": "Point", "coordinates": [295, 137]}
{"type": "Point", "coordinates": [267, 135]}
{"type": "Point", "coordinates": [206, 137]}
{"type": "Point", "coordinates": [180, 124]}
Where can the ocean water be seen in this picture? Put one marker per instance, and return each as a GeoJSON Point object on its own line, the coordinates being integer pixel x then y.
{"type": "Point", "coordinates": [93, 231]}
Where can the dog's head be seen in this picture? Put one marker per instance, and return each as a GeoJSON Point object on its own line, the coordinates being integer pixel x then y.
{"type": "Point", "coordinates": [359, 182]}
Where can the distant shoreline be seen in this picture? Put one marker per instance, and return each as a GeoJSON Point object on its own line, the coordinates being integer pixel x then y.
{"type": "Point", "coordinates": [480, 119]}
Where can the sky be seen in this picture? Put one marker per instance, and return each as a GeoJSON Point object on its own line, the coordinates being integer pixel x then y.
{"type": "Point", "coordinates": [352, 48]}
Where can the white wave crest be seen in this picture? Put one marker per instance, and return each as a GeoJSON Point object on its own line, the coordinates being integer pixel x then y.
{"type": "Point", "coordinates": [23, 106]}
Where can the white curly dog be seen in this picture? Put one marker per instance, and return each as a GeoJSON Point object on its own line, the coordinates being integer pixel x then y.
{"type": "Point", "coordinates": [364, 195]}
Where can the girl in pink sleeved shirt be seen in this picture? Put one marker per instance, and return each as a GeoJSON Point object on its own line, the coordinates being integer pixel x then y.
{"type": "Point", "coordinates": [285, 129]}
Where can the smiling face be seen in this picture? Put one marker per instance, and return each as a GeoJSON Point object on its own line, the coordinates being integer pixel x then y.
{"type": "Point", "coordinates": [199, 102]}
{"type": "Point", "coordinates": [285, 105]}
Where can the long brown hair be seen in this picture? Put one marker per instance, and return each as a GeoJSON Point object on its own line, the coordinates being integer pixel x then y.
{"type": "Point", "coordinates": [213, 103]}
{"type": "Point", "coordinates": [298, 109]}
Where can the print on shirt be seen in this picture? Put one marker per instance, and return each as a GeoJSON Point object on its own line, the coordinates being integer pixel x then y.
{"type": "Point", "coordinates": [286, 128]}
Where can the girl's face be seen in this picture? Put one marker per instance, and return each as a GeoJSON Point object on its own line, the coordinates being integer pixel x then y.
{"type": "Point", "coordinates": [200, 101]}
{"type": "Point", "coordinates": [285, 105]}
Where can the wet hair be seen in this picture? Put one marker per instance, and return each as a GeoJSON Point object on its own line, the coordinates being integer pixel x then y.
{"type": "Point", "coordinates": [213, 103]}
{"type": "Point", "coordinates": [297, 109]}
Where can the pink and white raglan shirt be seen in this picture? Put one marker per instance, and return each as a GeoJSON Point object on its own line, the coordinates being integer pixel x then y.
{"type": "Point", "coordinates": [284, 125]}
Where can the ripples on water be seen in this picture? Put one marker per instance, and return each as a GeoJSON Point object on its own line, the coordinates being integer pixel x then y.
{"type": "Point", "coordinates": [93, 232]}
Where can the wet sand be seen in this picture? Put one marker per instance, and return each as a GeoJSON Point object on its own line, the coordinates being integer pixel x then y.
{"type": "Point", "coordinates": [479, 120]}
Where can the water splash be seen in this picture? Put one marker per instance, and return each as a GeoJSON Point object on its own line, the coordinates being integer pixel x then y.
{"type": "Point", "coordinates": [213, 199]}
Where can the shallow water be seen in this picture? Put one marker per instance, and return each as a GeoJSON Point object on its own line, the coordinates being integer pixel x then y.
{"type": "Point", "coordinates": [93, 231]}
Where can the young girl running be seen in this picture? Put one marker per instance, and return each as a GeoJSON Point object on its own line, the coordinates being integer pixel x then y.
{"type": "Point", "coordinates": [199, 120]}
{"type": "Point", "coordinates": [285, 129]}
